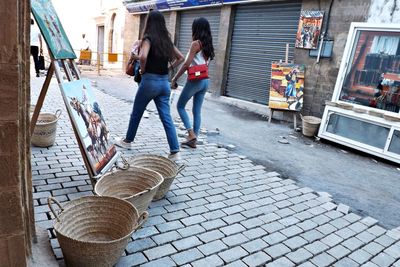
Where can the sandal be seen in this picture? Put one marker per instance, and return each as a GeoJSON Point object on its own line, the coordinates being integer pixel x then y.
{"type": "Point", "coordinates": [190, 143]}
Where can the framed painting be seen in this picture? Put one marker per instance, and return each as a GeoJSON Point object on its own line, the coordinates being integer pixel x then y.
{"type": "Point", "coordinates": [309, 30]}
{"type": "Point", "coordinates": [52, 30]}
{"type": "Point", "coordinates": [88, 120]}
{"type": "Point", "coordinates": [287, 84]}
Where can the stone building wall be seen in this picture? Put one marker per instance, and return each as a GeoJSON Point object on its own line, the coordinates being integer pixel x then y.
{"type": "Point", "coordinates": [16, 210]}
{"type": "Point", "coordinates": [321, 77]}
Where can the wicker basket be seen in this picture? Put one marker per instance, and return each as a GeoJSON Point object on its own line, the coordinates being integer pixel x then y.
{"type": "Point", "coordinates": [166, 167]}
{"type": "Point", "coordinates": [136, 185]}
{"type": "Point", "coordinates": [310, 125]}
{"type": "Point", "coordinates": [93, 231]}
{"type": "Point", "coordinates": [45, 131]}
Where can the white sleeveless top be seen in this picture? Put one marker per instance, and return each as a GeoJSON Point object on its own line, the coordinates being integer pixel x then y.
{"type": "Point", "coordinates": [198, 59]}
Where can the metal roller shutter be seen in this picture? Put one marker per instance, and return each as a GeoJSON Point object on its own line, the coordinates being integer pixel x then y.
{"type": "Point", "coordinates": [185, 32]}
{"type": "Point", "coordinates": [260, 34]}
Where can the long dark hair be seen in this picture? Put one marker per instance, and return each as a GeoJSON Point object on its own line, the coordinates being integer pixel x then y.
{"type": "Point", "coordinates": [201, 31]}
{"type": "Point", "coordinates": [160, 39]}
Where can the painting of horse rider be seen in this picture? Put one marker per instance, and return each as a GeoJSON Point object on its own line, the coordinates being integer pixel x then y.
{"type": "Point", "coordinates": [89, 121]}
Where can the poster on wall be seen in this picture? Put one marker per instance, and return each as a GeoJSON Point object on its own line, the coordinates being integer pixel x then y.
{"type": "Point", "coordinates": [51, 29]}
{"type": "Point", "coordinates": [309, 30]}
{"type": "Point", "coordinates": [88, 119]}
{"type": "Point", "coordinates": [287, 85]}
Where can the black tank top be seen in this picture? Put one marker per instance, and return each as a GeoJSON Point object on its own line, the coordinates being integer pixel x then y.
{"type": "Point", "coordinates": [154, 64]}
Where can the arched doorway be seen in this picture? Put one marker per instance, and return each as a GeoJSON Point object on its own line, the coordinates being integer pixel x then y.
{"type": "Point", "coordinates": [111, 39]}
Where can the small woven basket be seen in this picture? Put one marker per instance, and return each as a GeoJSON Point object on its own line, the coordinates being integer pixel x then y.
{"type": "Point", "coordinates": [136, 185]}
{"type": "Point", "coordinates": [310, 125]}
{"type": "Point", "coordinates": [166, 167]}
{"type": "Point", "coordinates": [93, 231]}
{"type": "Point", "coordinates": [45, 131]}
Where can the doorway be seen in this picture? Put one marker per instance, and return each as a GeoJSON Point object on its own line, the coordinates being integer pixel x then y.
{"type": "Point", "coordinates": [100, 43]}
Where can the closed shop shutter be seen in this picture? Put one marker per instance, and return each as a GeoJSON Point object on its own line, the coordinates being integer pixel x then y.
{"type": "Point", "coordinates": [185, 32]}
{"type": "Point", "coordinates": [260, 34]}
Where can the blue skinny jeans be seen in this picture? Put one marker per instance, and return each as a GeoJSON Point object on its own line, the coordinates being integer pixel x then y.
{"type": "Point", "coordinates": [197, 90]}
{"type": "Point", "coordinates": [153, 87]}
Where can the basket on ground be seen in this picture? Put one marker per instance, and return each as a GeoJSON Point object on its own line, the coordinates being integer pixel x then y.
{"type": "Point", "coordinates": [136, 185]}
{"type": "Point", "coordinates": [45, 131]}
{"type": "Point", "coordinates": [93, 231]}
{"type": "Point", "coordinates": [310, 125]}
{"type": "Point", "coordinates": [164, 166]}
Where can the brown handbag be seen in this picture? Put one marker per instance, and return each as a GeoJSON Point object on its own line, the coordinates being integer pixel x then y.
{"type": "Point", "coordinates": [130, 68]}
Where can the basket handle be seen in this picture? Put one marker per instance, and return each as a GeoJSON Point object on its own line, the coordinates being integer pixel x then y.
{"type": "Point", "coordinates": [142, 219]}
{"type": "Point", "coordinates": [52, 199]}
{"type": "Point", "coordinates": [58, 113]}
{"type": "Point", "coordinates": [180, 168]}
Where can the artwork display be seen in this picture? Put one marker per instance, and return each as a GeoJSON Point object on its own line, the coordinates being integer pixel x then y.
{"type": "Point", "coordinates": [287, 84]}
{"type": "Point", "coordinates": [52, 30]}
{"type": "Point", "coordinates": [309, 30]}
{"type": "Point", "coordinates": [89, 122]}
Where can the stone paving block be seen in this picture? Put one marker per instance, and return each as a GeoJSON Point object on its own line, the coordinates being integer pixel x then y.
{"type": "Point", "coordinates": [369, 264]}
{"type": "Point", "coordinates": [233, 254]}
{"type": "Point", "coordinates": [326, 229]}
{"type": "Point", "coordinates": [383, 260]}
{"type": "Point", "coordinates": [257, 259]}
{"type": "Point", "coordinates": [343, 208]}
{"type": "Point", "coordinates": [255, 245]}
{"type": "Point", "coordinates": [316, 247]}
{"type": "Point", "coordinates": [288, 221]}
{"type": "Point", "coordinates": [237, 263]}
{"type": "Point", "coordinates": [274, 238]}
{"type": "Point", "coordinates": [353, 243]}
{"type": "Point", "coordinates": [307, 225]}
{"type": "Point", "coordinates": [331, 240]}
{"type": "Point", "coordinates": [131, 260]}
{"type": "Point", "coordinates": [251, 223]}
{"type": "Point", "coordinates": [193, 220]}
{"type": "Point", "coordinates": [232, 229]}
{"type": "Point", "coordinates": [393, 250]}
{"type": "Point", "coordinates": [323, 259]}
{"type": "Point", "coordinates": [339, 223]}
{"type": "Point", "coordinates": [140, 245]}
{"type": "Point", "coordinates": [270, 217]}
{"type": "Point", "coordinates": [352, 217]}
{"type": "Point", "coordinates": [373, 248]}
{"type": "Point", "coordinates": [212, 215]}
{"type": "Point", "coordinates": [196, 210]}
{"type": "Point", "coordinates": [159, 251]}
{"type": "Point", "coordinates": [234, 240]}
{"type": "Point", "coordinates": [255, 233]}
{"type": "Point", "coordinates": [346, 262]}
{"type": "Point", "coordinates": [360, 256]}
{"type": "Point", "coordinates": [213, 224]}
{"type": "Point", "coordinates": [345, 233]}
{"type": "Point", "coordinates": [307, 264]}
{"type": "Point", "coordinates": [365, 237]}
{"type": "Point", "coordinates": [338, 252]}
{"type": "Point", "coordinates": [145, 232]}
{"type": "Point", "coordinates": [175, 215]}
{"type": "Point", "coordinates": [394, 233]}
{"type": "Point", "coordinates": [166, 237]}
{"type": "Point", "coordinates": [169, 226]}
{"type": "Point", "coordinates": [277, 250]}
{"type": "Point", "coordinates": [291, 231]}
{"type": "Point", "coordinates": [295, 242]}
{"type": "Point", "coordinates": [369, 221]}
{"type": "Point", "coordinates": [210, 236]}
{"type": "Point", "coordinates": [281, 262]}
{"type": "Point", "coordinates": [164, 262]}
{"type": "Point", "coordinates": [187, 243]}
{"type": "Point", "coordinates": [376, 230]}
{"type": "Point", "coordinates": [212, 247]}
{"type": "Point", "coordinates": [299, 256]}
{"type": "Point", "coordinates": [385, 240]}
{"type": "Point", "coordinates": [212, 260]}
{"type": "Point", "coordinates": [321, 219]}
{"type": "Point", "coordinates": [187, 256]}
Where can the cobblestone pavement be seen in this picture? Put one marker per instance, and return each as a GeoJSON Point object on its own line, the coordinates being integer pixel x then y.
{"type": "Point", "coordinates": [222, 209]}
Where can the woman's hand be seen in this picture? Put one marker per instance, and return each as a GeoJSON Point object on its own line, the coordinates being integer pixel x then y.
{"type": "Point", "coordinates": [174, 84]}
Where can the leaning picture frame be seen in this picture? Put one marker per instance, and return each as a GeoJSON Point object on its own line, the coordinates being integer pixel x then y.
{"type": "Point", "coordinates": [89, 122]}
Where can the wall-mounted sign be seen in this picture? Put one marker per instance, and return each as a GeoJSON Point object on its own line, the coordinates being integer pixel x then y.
{"type": "Point", "coordinates": [309, 29]}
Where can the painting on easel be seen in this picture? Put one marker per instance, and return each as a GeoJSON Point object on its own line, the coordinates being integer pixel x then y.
{"type": "Point", "coordinates": [89, 122]}
{"type": "Point", "coordinates": [52, 30]}
{"type": "Point", "coordinates": [287, 84]}
{"type": "Point", "coordinates": [309, 29]}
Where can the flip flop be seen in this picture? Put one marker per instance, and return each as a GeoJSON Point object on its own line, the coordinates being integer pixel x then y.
{"type": "Point", "coordinates": [190, 143]}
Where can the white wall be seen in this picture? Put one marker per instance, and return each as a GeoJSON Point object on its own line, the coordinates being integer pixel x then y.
{"type": "Point", "coordinates": [384, 11]}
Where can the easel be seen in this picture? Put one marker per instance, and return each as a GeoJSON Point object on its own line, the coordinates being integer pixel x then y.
{"type": "Point", "coordinates": [294, 112]}
{"type": "Point", "coordinates": [71, 74]}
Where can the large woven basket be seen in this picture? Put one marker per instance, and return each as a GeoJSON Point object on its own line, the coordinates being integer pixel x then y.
{"type": "Point", "coordinates": [136, 185]}
{"type": "Point", "coordinates": [166, 167]}
{"type": "Point", "coordinates": [93, 231]}
{"type": "Point", "coordinates": [310, 125]}
{"type": "Point", "coordinates": [44, 134]}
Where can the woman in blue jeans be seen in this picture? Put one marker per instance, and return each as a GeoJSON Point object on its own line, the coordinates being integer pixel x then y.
{"type": "Point", "coordinates": [201, 52]}
{"type": "Point", "coordinates": [156, 51]}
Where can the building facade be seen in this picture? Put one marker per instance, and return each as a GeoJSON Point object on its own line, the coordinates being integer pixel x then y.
{"type": "Point", "coordinates": [248, 36]}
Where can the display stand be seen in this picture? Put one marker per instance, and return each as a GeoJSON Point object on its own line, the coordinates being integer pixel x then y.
{"type": "Point", "coordinates": [294, 112]}
{"type": "Point", "coordinates": [71, 74]}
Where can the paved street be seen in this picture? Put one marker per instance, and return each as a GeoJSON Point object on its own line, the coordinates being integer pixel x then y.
{"type": "Point", "coordinates": [222, 210]}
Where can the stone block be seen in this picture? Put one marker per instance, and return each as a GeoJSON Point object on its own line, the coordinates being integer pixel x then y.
{"type": "Point", "coordinates": [11, 220]}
